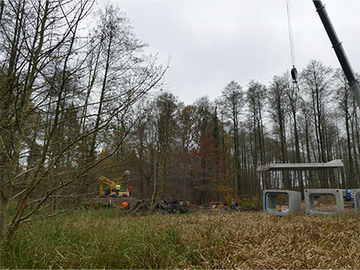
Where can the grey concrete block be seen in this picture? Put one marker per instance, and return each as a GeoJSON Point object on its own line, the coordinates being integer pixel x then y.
{"type": "Point", "coordinates": [310, 195]}
{"type": "Point", "coordinates": [356, 193]}
{"type": "Point", "coordinates": [269, 201]}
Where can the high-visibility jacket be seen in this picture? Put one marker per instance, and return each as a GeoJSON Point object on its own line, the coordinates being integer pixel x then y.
{"type": "Point", "coordinates": [124, 205]}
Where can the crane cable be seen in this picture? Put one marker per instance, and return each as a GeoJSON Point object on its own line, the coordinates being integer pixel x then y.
{"type": "Point", "coordinates": [291, 38]}
{"type": "Point", "coordinates": [292, 46]}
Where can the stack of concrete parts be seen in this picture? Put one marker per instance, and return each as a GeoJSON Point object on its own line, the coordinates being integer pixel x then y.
{"type": "Point", "coordinates": [294, 198]}
{"type": "Point", "coordinates": [317, 201]}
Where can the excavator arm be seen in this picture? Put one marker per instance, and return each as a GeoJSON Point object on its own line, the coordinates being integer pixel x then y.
{"type": "Point", "coordinates": [103, 180]}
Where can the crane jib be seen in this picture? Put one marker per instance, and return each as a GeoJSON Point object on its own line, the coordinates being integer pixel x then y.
{"type": "Point", "coordinates": [339, 49]}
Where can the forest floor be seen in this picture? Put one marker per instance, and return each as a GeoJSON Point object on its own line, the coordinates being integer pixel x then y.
{"type": "Point", "coordinates": [110, 238]}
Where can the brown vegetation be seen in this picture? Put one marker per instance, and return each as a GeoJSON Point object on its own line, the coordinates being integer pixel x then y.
{"type": "Point", "coordinates": [257, 240]}
{"type": "Point", "coordinates": [209, 240]}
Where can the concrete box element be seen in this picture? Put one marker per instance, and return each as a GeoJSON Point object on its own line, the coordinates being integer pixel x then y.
{"type": "Point", "coordinates": [269, 201]}
{"type": "Point", "coordinates": [356, 193]}
{"type": "Point", "coordinates": [310, 195]}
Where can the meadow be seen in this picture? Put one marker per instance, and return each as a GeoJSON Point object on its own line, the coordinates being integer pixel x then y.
{"type": "Point", "coordinates": [110, 238]}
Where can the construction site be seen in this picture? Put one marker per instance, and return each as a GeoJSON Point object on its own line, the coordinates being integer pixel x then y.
{"type": "Point", "coordinates": [102, 166]}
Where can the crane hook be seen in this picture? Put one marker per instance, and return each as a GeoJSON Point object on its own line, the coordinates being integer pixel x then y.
{"type": "Point", "coordinates": [294, 74]}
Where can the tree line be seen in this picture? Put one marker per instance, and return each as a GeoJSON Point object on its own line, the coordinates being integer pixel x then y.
{"type": "Point", "coordinates": [78, 101]}
{"type": "Point", "coordinates": [210, 150]}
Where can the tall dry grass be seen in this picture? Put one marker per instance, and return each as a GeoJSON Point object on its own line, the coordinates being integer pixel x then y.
{"type": "Point", "coordinates": [108, 239]}
{"type": "Point", "coordinates": [258, 240]}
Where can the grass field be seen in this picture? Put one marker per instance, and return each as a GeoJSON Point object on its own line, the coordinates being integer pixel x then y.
{"type": "Point", "coordinates": [107, 238]}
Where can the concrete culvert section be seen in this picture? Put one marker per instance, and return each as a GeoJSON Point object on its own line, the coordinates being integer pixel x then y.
{"type": "Point", "coordinates": [282, 202]}
{"type": "Point", "coordinates": [356, 193]}
{"type": "Point", "coordinates": [324, 201]}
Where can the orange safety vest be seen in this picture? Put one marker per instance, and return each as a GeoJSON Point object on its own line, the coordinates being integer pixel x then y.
{"type": "Point", "coordinates": [124, 205]}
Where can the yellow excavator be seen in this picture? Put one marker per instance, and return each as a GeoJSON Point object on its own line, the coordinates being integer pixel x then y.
{"type": "Point", "coordinates": [113, 190]}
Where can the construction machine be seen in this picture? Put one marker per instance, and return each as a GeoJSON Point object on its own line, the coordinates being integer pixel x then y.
{"type": "Point", "coordinates": [112, 191]}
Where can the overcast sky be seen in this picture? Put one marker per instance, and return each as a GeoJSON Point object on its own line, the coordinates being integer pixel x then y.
{"type": "Point", "coordinates": [211, 43]}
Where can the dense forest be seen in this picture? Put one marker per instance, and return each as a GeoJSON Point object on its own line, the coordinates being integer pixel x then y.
{"type": "Point", "coordinates": [78, 102]}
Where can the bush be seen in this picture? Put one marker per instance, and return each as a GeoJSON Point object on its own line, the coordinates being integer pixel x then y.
{"type": "Point", "coordinates": [250, 203]}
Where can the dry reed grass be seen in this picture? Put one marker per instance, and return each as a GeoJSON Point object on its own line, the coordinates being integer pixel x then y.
{"type": "Point", "coordinates": [202, 240]}
{"type": "Point", "coordinates": [258, 240]}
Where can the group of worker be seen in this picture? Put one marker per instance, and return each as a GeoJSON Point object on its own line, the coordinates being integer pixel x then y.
{"type": "Point", "coordinates": [234, 205]}
{"type": "Point", "coordinates": [125, 205]}
{"type": "Point", "coordinates": [118, 189]}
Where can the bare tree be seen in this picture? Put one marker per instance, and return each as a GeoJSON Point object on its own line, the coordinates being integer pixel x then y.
{"type": "Point", "coordinates": [255, 97]}
{"type": "Point", "coordinates": [317, 81]}
{"type": "Point", "coordinates": [32, 41]}
{"type": "Point", "coordinates": [344, 99]}
{"type": "Point", "coordinates": [49, 112]}
{"type": "Point", "coordinates": [166, 126]}
{"type": "Point", "coordinates": [232, 102]}
{"type": "Point", "coordinates": [294, 100]}
{"type": "Point", "coordinates": [277, 99]}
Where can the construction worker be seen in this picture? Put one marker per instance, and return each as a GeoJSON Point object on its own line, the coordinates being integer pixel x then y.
{"type": "Point", "coordinates": [232, 205]}
{"type": "Point", "coordinates": [237, 206]}
{"type": "Point", "coordinates": [130, 188]}
{"type": "Point", "coordinates": [125, 205]}
{"type": "Point", "coordinates": [118, 188]}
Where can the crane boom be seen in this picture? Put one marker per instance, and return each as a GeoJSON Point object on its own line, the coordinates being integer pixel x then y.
{"type": "Point", "coordinates": [339, 50]}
